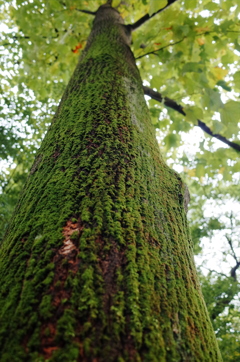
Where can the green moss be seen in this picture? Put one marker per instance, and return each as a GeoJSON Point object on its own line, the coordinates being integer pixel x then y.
{"type": "Point", "coordinates": [49, 279]}
{"type": "Point", "coordinates": [45, 307]}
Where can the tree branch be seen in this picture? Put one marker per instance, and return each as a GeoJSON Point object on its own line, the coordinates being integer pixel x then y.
{"type": "Point", "coordinates": [235, 268]}
{"type": "Point", "coordinates": [231, 247]}
{"type": "Point", "coordinates": [233, 271]}
{"type": "Point", "coordinates": [148, 17]}
{"type": "Point", "coordinates": [177, 107]}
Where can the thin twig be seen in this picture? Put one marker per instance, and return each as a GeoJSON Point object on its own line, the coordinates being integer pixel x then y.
{"type": "Point", "coordinates": [26, 37]}
{"type": "Point", "coordinates": [155, 51]}
{"type": "Point", "coordinates": [179, 41]}
{"type": "Point", "coordinates": [177, 107]}
{"type": "Point", "coordinates": [235, 268]}
{"type": "Point", "coordinates": [214, 271]}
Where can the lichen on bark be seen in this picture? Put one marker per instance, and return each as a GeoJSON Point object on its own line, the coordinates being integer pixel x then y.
{"type": "Point", "coordinates": [97, 264]}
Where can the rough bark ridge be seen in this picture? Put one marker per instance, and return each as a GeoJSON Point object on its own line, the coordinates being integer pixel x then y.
{"type": "Point", "coordinates": [97, 263]}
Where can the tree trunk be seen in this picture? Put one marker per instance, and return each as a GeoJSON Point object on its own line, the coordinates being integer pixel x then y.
{"type": "Point", "coordinates": [97, 264]}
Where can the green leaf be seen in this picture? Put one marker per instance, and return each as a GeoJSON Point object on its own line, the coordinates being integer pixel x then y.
{"type": "Point", "coordinates": [184, 29]}
{"type": "Point", "coordinates": [217, 126]}
{"type": "Point", "coordinates": [230, 113]}
{"type": "Point", "coordinates": [193, 114]}
{"type": "Point", "coordinates": [190, 4]}
{"type": "Point", "coordinates": [227, 58]}
{"type": "Point", "coordinates": [212, 99]}
{"type": "Point", "coordinates": [156, 5]}
{"type": "Point", "coordinates": [154, 112]}
{"type": "Point", "coordinates": [192, 67]}
{"type": "Point", "coordinates": [156, 82]}
{"type": "Point", "coordinates": [171, 140]}
{"type": "Point", "coordinates": [211, 6]}
{"type": "Point", "coordinates": [55, 5]}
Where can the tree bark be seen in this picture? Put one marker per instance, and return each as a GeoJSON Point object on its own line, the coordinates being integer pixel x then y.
{"type": "Point", "coordinates": [97, 263]}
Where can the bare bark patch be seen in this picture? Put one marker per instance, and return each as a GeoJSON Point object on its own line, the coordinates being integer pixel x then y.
{"type": "Point", "coordinates": [71, 233]}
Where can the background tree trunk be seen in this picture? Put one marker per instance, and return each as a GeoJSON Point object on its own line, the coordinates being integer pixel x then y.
{"type": "Point", "coordinates": [97, 263]}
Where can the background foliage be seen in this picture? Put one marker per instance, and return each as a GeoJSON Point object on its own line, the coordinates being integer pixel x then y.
{"type": "Point", "coordinates": [189, 53]}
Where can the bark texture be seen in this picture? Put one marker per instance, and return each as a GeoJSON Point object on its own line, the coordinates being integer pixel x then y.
{"type": "Point", "coordinates": [97, 264]}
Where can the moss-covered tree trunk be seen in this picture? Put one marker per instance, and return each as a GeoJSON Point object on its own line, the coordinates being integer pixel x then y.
{"type": "Point", "coordinates": [97, 264]}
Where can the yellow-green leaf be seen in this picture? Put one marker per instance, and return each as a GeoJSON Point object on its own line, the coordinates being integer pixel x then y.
{"type": "Point", "coordinates": [219, 73]}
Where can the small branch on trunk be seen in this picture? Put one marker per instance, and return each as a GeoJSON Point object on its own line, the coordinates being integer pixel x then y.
{"type": "Point", "coordinates": [148, 17]}
{"type": "Point", "coordinates": [177, 107]}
